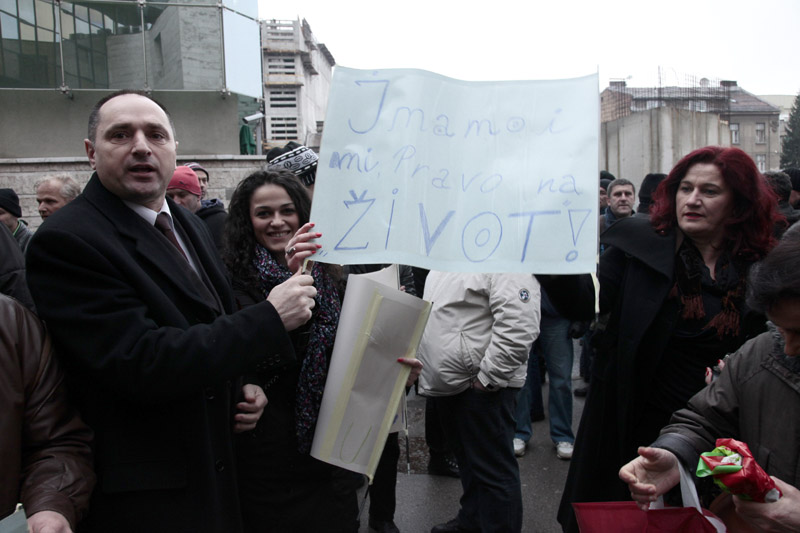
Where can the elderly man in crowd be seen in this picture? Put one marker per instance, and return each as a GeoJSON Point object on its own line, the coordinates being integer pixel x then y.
{"type": "Point", "coordinates": [142, 315]}
{"type": "Point", "coordinates": [55, 192]}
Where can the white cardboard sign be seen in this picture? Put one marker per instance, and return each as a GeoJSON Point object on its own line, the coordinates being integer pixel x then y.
{"type": "Point", "coordinates": [419, 169]}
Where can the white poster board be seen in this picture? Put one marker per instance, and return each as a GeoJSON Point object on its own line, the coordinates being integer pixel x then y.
{"type": "Point", "coordinates": [419, 169]}
{"type": "Point", "coordinates": [365, 383]}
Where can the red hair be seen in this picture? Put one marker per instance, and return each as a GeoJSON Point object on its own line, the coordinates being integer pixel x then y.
{"type": "Point", "coordinates": [748, 231]}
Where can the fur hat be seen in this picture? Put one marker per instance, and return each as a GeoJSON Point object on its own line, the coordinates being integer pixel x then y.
{"type": "Point", "coordinates": [10, 202]}
{"type": "Point", "coordinates": [295, 158]}
{"type": "Point", "coordinates": [184, 178]}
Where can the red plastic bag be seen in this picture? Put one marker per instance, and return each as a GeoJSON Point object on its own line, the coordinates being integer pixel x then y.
{"type": "Point", "coordinates": [626, 517]}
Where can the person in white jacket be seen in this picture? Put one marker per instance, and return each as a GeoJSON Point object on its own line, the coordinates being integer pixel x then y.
{"type": "Point", "coordinates": [475, 348]}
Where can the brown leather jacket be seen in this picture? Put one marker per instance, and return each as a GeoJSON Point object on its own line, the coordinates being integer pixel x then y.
{"type": "Point", "coordinates": [45, 459]}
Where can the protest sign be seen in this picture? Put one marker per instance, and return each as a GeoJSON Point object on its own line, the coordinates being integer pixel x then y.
{"type": "Point", "coordinates": [419, 169]}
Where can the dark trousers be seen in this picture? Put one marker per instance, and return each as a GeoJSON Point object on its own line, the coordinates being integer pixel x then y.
{"type": "Point", "coordinates": [435, 436]}
{"type": "Point", "coordinates": [382, 491]}
{"type": "Point", "coordinates": [587, 355]}
{"type": "Point", "coordinates": [483, 424]}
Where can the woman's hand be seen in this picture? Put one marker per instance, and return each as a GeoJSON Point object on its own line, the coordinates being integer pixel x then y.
{"type": "Point", "coordinates": [301, 247]}
{"type": "Point", "coordinates": [416, 369]}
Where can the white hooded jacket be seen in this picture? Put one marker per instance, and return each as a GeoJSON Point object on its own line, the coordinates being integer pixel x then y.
{"type": "Point", "coordinates": [482, 326]}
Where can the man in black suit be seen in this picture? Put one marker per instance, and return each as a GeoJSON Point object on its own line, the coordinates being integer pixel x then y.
{"type": "Point", "coordinates": [145, 324]}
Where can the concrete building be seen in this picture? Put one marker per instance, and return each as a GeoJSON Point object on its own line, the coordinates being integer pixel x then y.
{"type": "Point", "coordinates": [297, 78]}
{"type": "Point", "coordinates": [648, 129]}
{"type": "Point", "coordinates": [200, 58]}
{"type": "Point", "coordinates": [654, 140]}
{"type": "Point", "coordinates": [784, 102]}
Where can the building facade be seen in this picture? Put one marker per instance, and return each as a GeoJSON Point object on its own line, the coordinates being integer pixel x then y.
{"type": "Point", "coordinates": [709, 113]}
{"type": "Point", "coordinates": [752, 124]}
{"type": "Point", "coordinates": [297, 78]}
{"type": "Point", "coordinates": [200, 58]}
{"type": "Point", "coordinates": [784, 102]}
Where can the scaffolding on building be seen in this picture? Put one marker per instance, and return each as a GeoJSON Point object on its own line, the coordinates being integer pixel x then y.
{"type": "Point", "coordinates": [689, 92]}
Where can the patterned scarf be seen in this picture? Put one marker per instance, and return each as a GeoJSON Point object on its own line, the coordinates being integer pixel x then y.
{"type": "Point", "coordinates": [730, 277]}
{"type": "Point", "coordinates": [314, 369]}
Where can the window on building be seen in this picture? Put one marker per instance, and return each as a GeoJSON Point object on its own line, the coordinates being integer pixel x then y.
{"type": "Point", "coordinates": [283, 128]}
{"type": "Point", "coordinates": [734, 133]}
{"type": "Point", "coordinates": [761, 162]}
{"type": "Point", "coordinates": [698, 105]}
{"type": "Point", "coordinates": [761, 133]}
{"type": "Point", "coordinates": [280, 30]}
{"type": "Point", "coordinates": [281, 65]}
{"type": "Point", "coordinates": [279, 98]}
{"type": "Point", "coordinates": [91, 44]}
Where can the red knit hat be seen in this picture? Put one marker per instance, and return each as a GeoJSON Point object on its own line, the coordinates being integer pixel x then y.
{"type": "Point", "coordinates": [185, 178]}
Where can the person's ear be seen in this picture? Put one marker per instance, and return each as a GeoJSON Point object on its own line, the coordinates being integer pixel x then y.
{"type": "Point", "coordinates": [90, 152]}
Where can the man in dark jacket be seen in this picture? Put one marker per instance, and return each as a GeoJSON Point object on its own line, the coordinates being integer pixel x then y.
{"type": "Point", "coordinates": [142, 314]}
{"type": "Point", "coordinates": [10, 213]}
{"type": "Point", "coordinates": [781, 184]}
{"type": "Point", "coordinates": [794, 195]}
{"type": "Point", "coordinates": [212, 211]}
{"type": "Point", "coordinates": [12, 270]}
{"type": "Point", "coordinates": [46, 461]}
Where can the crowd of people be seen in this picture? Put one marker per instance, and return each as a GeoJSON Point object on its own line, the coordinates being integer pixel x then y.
{"type": "Point", "coordinates": [164, 359]}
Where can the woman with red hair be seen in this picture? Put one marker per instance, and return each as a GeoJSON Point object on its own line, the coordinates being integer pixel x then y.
{"type": "Point", "coordinates": [672, 303]}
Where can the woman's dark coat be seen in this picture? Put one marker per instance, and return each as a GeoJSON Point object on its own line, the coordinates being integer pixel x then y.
{"type": "Point", "coordinates": [636, 276]}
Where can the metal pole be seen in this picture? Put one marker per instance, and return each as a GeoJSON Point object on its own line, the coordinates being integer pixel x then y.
{"type": "Point", "coordinates": [144, 45]}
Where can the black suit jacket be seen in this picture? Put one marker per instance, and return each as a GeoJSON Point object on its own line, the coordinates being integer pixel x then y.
{"type": "Point", "coordinates": [151, 360]}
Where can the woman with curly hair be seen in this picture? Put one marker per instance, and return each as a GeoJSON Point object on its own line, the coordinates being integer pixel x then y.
{"type": "Point", "coordinates": [282, 488]}
{"type": "Point", "coordinates": [672, 301]}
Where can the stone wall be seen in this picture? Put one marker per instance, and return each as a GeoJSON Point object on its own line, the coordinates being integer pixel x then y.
{"type": "Point", "coordinates": [22, 174]}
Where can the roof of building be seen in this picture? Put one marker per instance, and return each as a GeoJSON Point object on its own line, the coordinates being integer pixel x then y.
{"type": "Point", "coordinates": [783, 101]}
{"type": "Point", "coordinates": [740, 101]}
{"type": "Point", "coordinates": [745, 102]}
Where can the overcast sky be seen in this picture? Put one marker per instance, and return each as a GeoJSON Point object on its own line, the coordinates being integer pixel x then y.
{"type": "Point", "coordinates": [754, 42]}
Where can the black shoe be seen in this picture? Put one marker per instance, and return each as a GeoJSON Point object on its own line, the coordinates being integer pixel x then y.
{"type": "Point", "coordinates": [381, 526]}
{"type": "Point", "coordinates": [453, 526]}
{"type": "Point", "coordinates": [581, 392]}
{"type": "Point", "coordinates": [443, 464]}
